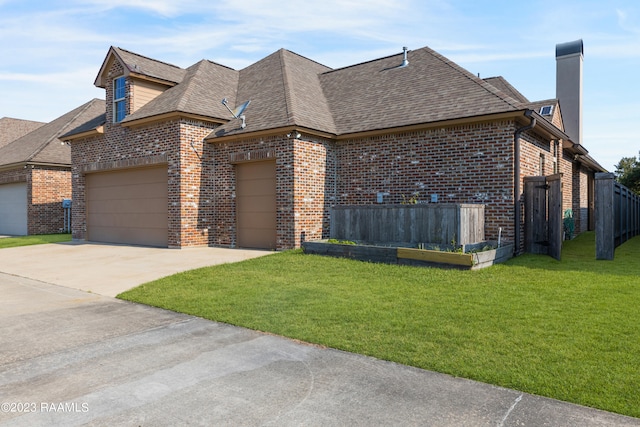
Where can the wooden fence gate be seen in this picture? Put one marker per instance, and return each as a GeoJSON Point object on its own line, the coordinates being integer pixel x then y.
{"type": "Point", "coordinates": [543, 230]}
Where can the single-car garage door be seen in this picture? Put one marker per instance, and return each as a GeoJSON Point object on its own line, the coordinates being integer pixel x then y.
{"type": "Point", "coordinates": [256, 204]}
{"type": "Point", "coordinates": [128, 206]}
{"type": "Point", "coordinates": [13, 209]}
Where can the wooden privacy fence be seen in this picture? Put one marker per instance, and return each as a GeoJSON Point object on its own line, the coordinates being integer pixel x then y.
{"type": "Point", "coordinates": [617, 215]}
{"type": "Point", "coordinates": [441, 223]}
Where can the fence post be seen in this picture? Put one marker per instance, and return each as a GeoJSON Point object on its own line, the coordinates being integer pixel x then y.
{"type": "Point", "coordinates": [605, 235]}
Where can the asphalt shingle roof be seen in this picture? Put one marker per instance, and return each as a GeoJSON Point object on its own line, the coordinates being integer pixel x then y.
{"type": "Point", "coordinates": [12, 129]}
{"type": "Point", "coordinates": [378, 95]}
{"type": "Point", "coordinates": [503, 85]}
{"type": "Point", "coordinates": [43, 145]}
{"type": "Point", "coordinates": [289, 90]}
{"type": "Point", "coordinates": [284, 90]}
{"type": "Point", "coordinates": [292, 90]}
{"type": "Point", "coordinates": [200, 92]}
{"type": "Point", "coordinates": [144, 66]}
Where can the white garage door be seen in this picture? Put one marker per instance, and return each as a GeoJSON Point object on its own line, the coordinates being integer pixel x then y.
{"type": "Point", "coordinates": [128, 206]}
{"type": "Point", "coordinates": [13, 209]}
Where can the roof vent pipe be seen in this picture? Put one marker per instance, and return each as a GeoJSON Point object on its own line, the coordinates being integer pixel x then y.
{"type": "Point", "coordinates": [405, 61]}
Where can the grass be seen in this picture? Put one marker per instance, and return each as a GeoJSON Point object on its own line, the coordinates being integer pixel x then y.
{"type": "Point", "coordinates": [567, 330]}
{"type": "Point", "coordinates": [12, 242]}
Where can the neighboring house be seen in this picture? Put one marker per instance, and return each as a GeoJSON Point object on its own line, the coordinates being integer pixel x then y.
{"type": "Point", "coordinates": [35, 174]}
{"type": "Point", "coordinates": [169, 165]}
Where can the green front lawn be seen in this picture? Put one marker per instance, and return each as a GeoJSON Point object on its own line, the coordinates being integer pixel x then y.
{"type": "Point", "coordinates": [12, 242]}
{"type": "Point", "coordinates": [567, 330]}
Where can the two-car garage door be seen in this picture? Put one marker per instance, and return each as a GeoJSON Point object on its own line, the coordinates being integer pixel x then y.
{"type": "Point", "coordinates": [131, 206]}
{"type": "Point", "coordinates": [13, 209]}
{"type": "Point", "coordinates": [128, 206]}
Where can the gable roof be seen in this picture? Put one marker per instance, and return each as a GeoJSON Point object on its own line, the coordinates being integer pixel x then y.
{"type": "Point", "coordinates": [12, 129]}
{"type": "Point", "coordinates": [140, 66]}
{"type": "Point", "coordinates": [43, 144]}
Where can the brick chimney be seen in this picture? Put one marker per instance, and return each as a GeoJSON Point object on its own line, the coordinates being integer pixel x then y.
{"type": "Point", "coordinates": [569, 57]}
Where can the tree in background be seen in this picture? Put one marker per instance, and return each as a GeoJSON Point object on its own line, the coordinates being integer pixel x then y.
{"type": "Point", "coordinates": [628, 173]}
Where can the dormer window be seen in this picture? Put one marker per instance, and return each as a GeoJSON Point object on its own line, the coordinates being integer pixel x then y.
{"type": "Point", "coordinates": [119, 99]}
{"type": "Point", "coordinates": [546, 110]}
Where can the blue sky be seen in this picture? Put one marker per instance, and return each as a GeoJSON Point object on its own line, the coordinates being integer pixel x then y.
{"type": "Point", "coordinates": [50, 52]}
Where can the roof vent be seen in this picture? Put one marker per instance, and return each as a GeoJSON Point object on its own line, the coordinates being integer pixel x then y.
{"type": "Point", "coordinates": [405, 60]}
{"type": "Point", "coordinates": [546, 110]}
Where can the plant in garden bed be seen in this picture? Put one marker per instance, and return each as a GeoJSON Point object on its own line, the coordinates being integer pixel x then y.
{"type": "Point", "coordinates": [341, 242]}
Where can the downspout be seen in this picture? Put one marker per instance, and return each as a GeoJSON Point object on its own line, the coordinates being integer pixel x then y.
{"type": "Point", "coordinates": [516, 178]}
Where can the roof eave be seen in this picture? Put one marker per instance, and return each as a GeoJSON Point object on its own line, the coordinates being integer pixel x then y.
{"type": "Point", "coordinates": [87, 134]}
{"type": "Point", "coordinates": [516, 114]}
{"type": "Point", "coordinates": [214, 139]}
{"type": "Point", "coordinates": [25, 165]}
{"type": "Point", "coordinates": [436, 124]}
{"type": "Point", "coordinates": [10, 166]}
{"type": "Point", "coordinates": [100, 81]}
{"type": "Point", "coordinates": [591, 163]}
{"type": "Point", "coordinates": [169, 116]}
{"type": "Point", "coordinates": [545, 127]}
{"type": "Point", "coordinates": [152, 79]}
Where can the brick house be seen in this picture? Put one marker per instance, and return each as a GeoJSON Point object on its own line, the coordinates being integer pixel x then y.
{"type": "Point", "coordinates": [169, 164]}
{"type": "Point", "coordinates": [35, 172]}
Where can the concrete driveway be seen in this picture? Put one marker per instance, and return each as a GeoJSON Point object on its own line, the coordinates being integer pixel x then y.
{"type": "Point", "coordinates": [110, 269]}
{"type": "Point", "coordinates": [69, 357]}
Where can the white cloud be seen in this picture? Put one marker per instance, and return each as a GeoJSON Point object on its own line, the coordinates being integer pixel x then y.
{"type": "Point", "coordinates": [166, 8]}
{"type": "Point", "coordinates": [624, 21]}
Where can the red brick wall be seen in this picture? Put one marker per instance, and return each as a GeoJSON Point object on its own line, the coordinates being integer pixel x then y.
{"type": "Point", "coordinates": [305, 169]}
{"type": "Point", "coordinates": [14, 175]}
{"type": "Point", "coordinates": [314, 188]}
{"type": "Point", "coordinates": [221, 171]}
{"type": "Point", "coordinates": [177, 143]}
{"type": "Point", "coordinates": [581, 177]}
{"type": "Point", "coordinates": [194, 191]}
{"type": "Point", "coordinates": [48, 188]}
{"type": "Point", "coordinates": [566, 169]}
{"type": "Point", "coordinates": [459, 164]}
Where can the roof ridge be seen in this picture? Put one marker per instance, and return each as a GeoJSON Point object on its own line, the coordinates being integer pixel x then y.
{"type": "Point", "coordinates": [188, 85]}
{"type": "Point", "coordinates": [55, 135]}
{"type": "Point", "coordinates": [364, 62]}
{"type": "Point", "coordinates": [146, 57]}
{"type": "Point", "coordinates": [288, 90]}
{"type": "Point", "coordinates": [307, 59]}
{"type": "Point", "coordinates": [22, 120]}
{"type": "Point", "coordinates": [472, 77]}
{"type": "Point", "coordinates": [510, 87]}
{"type": "Point", "coordinates": [214, 63]}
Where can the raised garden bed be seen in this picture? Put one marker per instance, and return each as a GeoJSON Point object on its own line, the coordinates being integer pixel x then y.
{"type": "Point", "coordinates": [471, 257]}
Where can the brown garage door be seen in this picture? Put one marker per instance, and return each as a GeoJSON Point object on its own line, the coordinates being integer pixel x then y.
{"type": "Point", "coordinates": [128, 206]}
{"type": "Point", "coordinates": [256, 204]}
